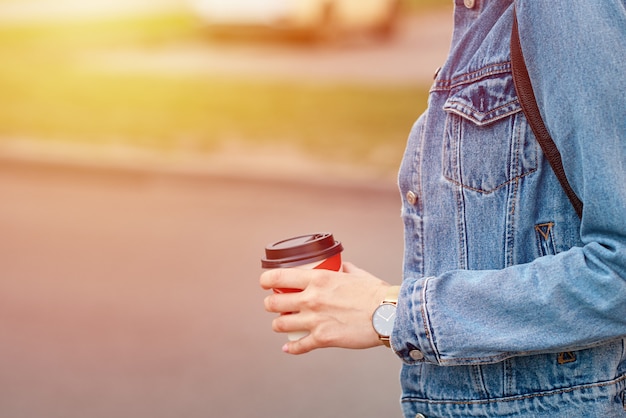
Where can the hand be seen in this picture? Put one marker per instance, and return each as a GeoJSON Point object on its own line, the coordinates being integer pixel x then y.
{"type": "Point", "coordinates": [335, 307]}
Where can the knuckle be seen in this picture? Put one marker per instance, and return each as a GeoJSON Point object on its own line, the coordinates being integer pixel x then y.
{"type": "Point", "coordinates": [267, 279]}
{"type": "Point", "coordinates": [278, 325]}
{"type": "Point", "coordinates": [327, 335]}
{"type": "Point", "coordinates": [321, 278]}
{"type": "Point", "coordinates": [301, 348]}
{"type": "Point", "coordinates": [322, 339]}
{"type": "Point", "coordinates": [274, 277]}
{"type": "Point", "coordinates": [310, 301]}
{"type": "Point", "coordinates": [270, 303]}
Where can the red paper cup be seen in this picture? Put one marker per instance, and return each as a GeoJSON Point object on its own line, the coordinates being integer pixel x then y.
{"type": "Point", "coordinates": [313, 251]}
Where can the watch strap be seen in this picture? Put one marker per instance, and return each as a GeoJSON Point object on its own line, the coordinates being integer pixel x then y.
{"type": "Point", "coordinates": [392, 295]}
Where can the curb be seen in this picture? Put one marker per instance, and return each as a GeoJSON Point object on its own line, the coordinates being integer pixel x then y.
{"type": "Point", "coordinates": [280, 167]}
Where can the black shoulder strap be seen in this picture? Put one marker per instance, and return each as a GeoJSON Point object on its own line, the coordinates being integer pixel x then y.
{"type": "Point", "coordinates": [531, 110]}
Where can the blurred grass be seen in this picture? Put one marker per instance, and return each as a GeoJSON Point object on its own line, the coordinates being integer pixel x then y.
{"type": "Point", "coordinates": [421, 5]}
{"type": "Point", "coordinates": [46, 95]}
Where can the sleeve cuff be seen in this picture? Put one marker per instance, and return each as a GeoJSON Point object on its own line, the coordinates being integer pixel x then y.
{"type": "Point", "coordinates": [412, 336]}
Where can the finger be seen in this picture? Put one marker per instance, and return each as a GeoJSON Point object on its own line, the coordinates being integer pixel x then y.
{"type": "Point", "coordinates": [282, 302]}
{"type": "Point", "coordinates": [290, 278]}
{"type": "Point", "coordinates": [301, 346]}
{"type": "Point", "coordinates": [291, 322]}
{"type": "Point", "coordinates": [316, 338]}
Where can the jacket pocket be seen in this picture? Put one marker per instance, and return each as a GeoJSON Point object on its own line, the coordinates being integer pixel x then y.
{"type": "Point", "coordinates": [545, 238]}
{"type": "Point", "coordinates": [487, 142]}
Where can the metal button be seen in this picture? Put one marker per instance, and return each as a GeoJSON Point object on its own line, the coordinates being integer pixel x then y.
{"type": "Point", "coordinates": [420, 416]}
{"type": "Point", "coordinates": [469, 3]}
{"type": "Point", "coordinates": [416, 355]}
{"type": "Point", "coordinates": [411, 198]}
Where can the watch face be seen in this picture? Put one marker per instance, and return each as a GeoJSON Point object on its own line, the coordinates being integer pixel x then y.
{"type": "Point", "coordinates": [383, 319]}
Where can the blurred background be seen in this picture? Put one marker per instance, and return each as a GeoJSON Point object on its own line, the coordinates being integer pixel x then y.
{"type": "Point", "coordinates": [150, 149]}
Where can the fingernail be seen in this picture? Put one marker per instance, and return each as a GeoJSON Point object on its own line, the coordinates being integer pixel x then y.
{"type": "Point", "coordinates": [286, 348]}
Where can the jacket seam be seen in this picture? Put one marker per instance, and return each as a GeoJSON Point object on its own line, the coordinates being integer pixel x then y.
{"type": "Point", "coordinates": [514, 179]}
{"type": "Point", "coordinates": [520, 397]}
{"type": "Point", "coordinates": [464, 361]}
{"type": "Point", "coordinates": [427, 330]}
{"type": "Point", "coordinates": [471, 77]}
{"type": "Point", "coordinates": [466, 111]}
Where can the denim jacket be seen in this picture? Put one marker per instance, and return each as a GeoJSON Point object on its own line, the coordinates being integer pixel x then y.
{"type": "Point", "coordinates": [511, 305]}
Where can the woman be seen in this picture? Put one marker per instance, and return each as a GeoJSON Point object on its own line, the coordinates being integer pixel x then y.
{"type": "Point", "coordinates": [511, 305]}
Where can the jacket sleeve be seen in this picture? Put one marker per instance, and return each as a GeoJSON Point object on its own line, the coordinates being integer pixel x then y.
{"type": "Point", "coordinates": [575, 52]}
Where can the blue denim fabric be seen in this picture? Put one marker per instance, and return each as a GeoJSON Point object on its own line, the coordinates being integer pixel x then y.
{"type": "Point", "coordinates": [511, 306]}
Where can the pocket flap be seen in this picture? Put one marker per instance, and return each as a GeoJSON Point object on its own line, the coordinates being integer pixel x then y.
{"type": "Point", "coordinates": [486, 100]}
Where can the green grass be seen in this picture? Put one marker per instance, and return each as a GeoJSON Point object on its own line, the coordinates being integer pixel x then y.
{"type": "Point", "coordinates": [47, 96]}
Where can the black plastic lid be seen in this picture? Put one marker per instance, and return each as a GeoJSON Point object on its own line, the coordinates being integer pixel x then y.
{"type": "Point", "coordinates": [300, 250]}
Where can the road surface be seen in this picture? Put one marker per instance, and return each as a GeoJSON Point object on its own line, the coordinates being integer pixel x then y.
{"type": "Point", "coordinates": [134, 294]}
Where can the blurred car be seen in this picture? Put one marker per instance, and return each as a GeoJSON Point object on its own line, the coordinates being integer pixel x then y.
{"type": "Point", "coordinates": [317, 18]}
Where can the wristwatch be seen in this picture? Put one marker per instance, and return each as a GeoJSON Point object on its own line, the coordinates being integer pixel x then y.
{"type": "Point", "coordinates": [384, 316]}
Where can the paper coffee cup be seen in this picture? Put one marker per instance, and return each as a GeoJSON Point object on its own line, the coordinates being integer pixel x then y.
{"type": "Point", "coordinates": [313, 251]}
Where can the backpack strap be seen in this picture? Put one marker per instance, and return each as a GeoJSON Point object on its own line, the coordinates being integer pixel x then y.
{"type": "Point", "coordinates": [531, 110]}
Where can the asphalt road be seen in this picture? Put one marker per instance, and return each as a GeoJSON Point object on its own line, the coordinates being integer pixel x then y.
{"type": "Point", "coordinates": [135, 294]}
